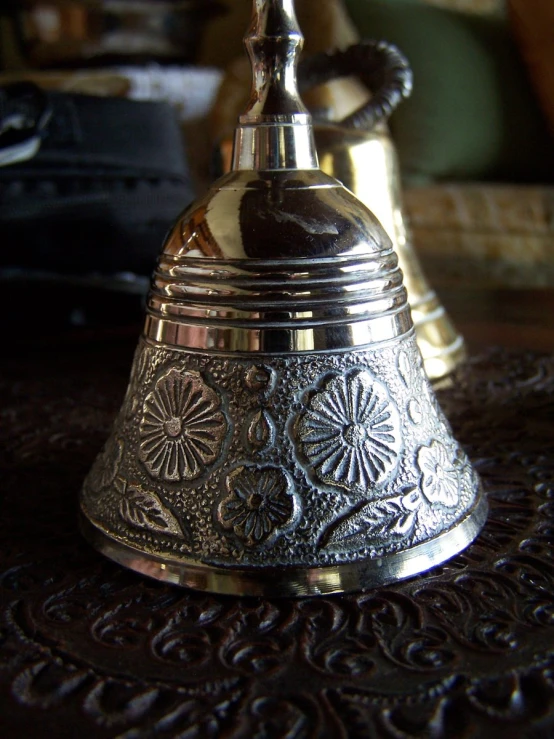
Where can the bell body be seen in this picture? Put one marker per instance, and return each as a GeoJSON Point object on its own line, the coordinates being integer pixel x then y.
{"type": "Point", "coordinates": [279, 435]}
{"type": "Point", "coordinates": [367, 163]}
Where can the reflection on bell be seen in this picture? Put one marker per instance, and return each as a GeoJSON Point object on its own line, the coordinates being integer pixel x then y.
{"type": "Point", "coordinates": [279, 435]}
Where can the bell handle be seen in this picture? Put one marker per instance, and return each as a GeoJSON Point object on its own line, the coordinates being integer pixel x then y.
{"type": "Point", "coordinates": [381, 66]}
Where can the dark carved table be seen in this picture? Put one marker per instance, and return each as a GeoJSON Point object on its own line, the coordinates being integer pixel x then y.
{"type": "Point", "coordinates": [88, 649]}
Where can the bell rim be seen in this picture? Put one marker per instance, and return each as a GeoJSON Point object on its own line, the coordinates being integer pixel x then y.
{"type": "Point", "coordinates": [288, 581]}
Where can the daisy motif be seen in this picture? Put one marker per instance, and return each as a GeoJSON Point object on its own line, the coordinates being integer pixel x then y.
{"type": "Point", "coordinates": [182, 428]}
{"type": "Point", "coordinates": [261, 503]}
{"type": "Point", "coordinates": [350, 432]}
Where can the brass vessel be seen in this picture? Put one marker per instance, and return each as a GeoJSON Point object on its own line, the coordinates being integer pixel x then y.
{"type": "Point", "coordinates": [367, 163]}
{"type": "Point", "coordinates": [279, 435]}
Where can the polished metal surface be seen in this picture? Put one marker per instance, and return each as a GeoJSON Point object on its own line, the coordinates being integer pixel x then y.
{"type": "Point", "coordinates": [359, 152]}
{"type": "Point", "coordinates": [277, 262]}
{"type": "Point", "coordinates": [279, 435]}
{"type": "Point", "coordinates": [274, 133]}
{"type": "Point", "coordinates": [291, 581]}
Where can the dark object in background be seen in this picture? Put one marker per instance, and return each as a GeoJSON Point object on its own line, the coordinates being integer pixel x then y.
{"type": "Point", "coordinates": [53, 33]}
{"type": "Point", "coordinates": [532, 22]}
{"type": "Point", "coordinates": [24, 112]}
{"type": "Point", "coordinates": [91, 208]}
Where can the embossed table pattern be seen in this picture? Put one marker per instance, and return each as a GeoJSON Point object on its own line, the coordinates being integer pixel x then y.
{"type": "Point", "coordinates": [89, 649]}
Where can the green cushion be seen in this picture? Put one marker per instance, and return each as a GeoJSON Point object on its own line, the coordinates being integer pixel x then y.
{"type": "Point", "coordinates": [472, 114]}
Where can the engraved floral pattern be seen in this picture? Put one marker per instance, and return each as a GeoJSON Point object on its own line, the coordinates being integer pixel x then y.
{"type": "Point", "coordinates": [182, 429]}
{"type": "Point", "coordinates": [350, 432]}
{"type": "Point", "coordinates": [439, 478]}
{"type": "Point", "coordinates": [261, 503]}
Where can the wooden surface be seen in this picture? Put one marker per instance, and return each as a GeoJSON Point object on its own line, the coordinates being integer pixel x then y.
{"type": "Point", "coordinates": [517, 319]}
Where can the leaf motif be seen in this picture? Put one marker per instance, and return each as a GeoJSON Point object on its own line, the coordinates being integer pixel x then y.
{"type": "Point", "coordinates": [378, 519]}
{"type": "Point", "coordinates": [143, 510]}
{"type": "Point", "coordinates": [404, 367]}
{"type": "Point", "coordinates": [260, 430]}
{"type": "Point", "coordinates": [404, 524]}
{"type": "Point", "coordinates": [414, 411]}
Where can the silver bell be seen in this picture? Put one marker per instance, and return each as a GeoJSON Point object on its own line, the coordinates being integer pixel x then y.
{"type": "Point", "coordinates": [279, 435]}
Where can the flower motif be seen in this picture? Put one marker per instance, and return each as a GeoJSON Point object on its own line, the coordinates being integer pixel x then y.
{"type": "Point", "coordinates": [260, 379]}
{"type": "Point", "coordinates": [350, 432]}
{"type": "Point", "coordinates": [141, 361]}
{"type": "Point", "coordinates": [261, 503]}
{"type": "Point", "coordinates": [439, 479]}
{"type": "Point", "coordinates": [182, 428]}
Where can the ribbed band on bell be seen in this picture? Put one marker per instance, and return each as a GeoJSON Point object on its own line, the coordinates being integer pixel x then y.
{"type": "Point", "coordinates": [278, 305]}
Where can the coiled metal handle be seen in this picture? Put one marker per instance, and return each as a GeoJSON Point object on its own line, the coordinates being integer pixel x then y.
{"type": "Point", "coordinates": [380, 65]}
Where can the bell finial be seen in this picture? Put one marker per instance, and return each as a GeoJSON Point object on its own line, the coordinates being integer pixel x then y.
{"type": "Point", "coordinates": [274, 43]}
{"type": "Point", "coordinates": [275, 131]}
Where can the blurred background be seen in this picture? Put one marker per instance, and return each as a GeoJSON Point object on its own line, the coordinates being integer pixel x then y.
{"type": "Point", "coordinates": [132, 104]}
